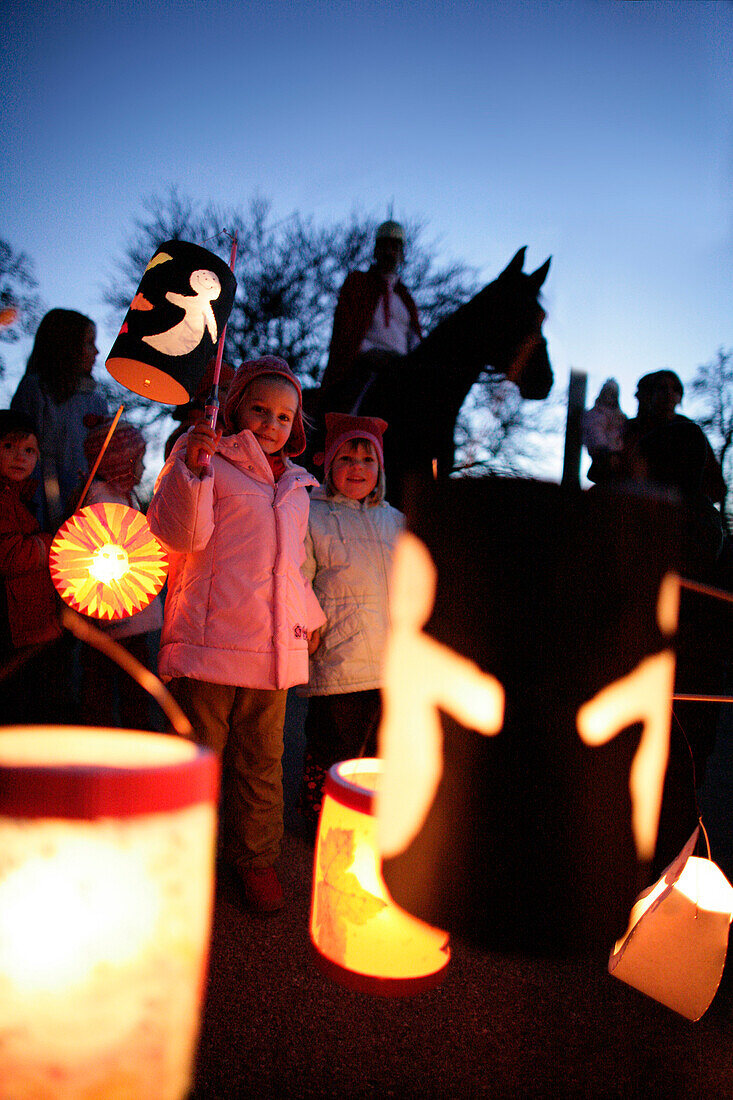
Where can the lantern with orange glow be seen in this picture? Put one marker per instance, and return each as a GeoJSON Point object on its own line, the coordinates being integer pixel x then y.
{"type": "Point", "coordinates": [105, 562]}
{"type": "Point", "coordinates": [675, 947]}
{"type": "Point", "coordinates": [361, 938]}
{"type": "Point", "coordinates": [107, 842]}
{"type": "Point", "coordinates": [526, 710]}
{"type": "Point", "coordinates": [174, 323]}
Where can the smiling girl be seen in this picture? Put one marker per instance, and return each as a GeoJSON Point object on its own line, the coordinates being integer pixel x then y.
{"type": "Point", "coordinates": [351, 536]}
{"type": "Point", "coordinates": [238, 612]}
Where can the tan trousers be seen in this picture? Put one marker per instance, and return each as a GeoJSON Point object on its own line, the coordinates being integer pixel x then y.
{"type": "Point", "coordinates": [245, 727]}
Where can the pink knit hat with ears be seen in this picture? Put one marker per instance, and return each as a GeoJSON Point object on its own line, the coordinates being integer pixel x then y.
{"type": "Point", "coordinates": [340, 428]}
{"type": "Point", "coordinates": [255, 368]}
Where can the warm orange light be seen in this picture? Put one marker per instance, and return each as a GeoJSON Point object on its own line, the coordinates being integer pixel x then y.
{"type": "Point", "coordinates": [675, 947]}
{"type": "Point", "coordinates": [106, 562]}
{"type": "Point", "coordinates": [362, 938]}
{"type": "Point", "coordinates": [106, 894]}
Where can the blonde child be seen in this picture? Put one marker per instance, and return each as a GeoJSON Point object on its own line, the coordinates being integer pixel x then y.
{"type": "Point", "coordinates": [238, 612]}
{"type": "Point", "coordinates": [107, 692]}
{"type": "Point", "coordinates": [351, 536]}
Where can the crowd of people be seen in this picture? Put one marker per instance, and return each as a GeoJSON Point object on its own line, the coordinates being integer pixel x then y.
{"type": "Point", "coordinates": [275, 580]}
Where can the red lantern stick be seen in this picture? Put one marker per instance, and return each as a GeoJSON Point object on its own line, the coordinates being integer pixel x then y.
{"type": "Point", "coordinates": [100, 456]}
{"type": "Point", "coordinates": [211, 409]}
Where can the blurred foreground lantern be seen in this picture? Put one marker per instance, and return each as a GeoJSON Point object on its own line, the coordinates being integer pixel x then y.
{"type": "Point", "coordinates": [106, 562]}
{"type": "Point", "coordinates": [174, 322]}
{"type": "Point", "coordinates": [361, 938]}
{"type": "Point", "coordinates": [106, 884]}
{"type": "Point", "coordinates": [675, 947]}
{"type": "Point", "coordinates": [527, 701]}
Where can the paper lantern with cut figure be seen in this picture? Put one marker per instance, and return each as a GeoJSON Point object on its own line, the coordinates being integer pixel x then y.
{"type": "Point", "coordinates": [361, 938]}
{"type": "Point", "coordinates": [675, 946]}
{"type": "Point", "coordinates": [174, 322]}
{"type": "Point", "coordinates": [527, 704]}
{"type": "Point", "coordinates": [106, 562]}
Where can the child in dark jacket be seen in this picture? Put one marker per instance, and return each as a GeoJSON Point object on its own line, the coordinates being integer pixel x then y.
{"type": "Point", "coordinates": [29, 612]}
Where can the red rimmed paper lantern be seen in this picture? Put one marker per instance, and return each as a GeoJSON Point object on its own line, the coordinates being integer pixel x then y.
{"type": "Point", "coordinates": [361, 938]}
{"type": "Point", "coordinates": [105, 562]}
{"type": "Point", "coordinates": [106, 887]}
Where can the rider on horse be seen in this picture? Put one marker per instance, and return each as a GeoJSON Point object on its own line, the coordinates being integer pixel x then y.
{"type": "Point", "coordinates": [376, 320]}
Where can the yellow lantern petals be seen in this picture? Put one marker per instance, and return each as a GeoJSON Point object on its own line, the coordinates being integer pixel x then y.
{"type": "Point", "coordinates": [105, 562]}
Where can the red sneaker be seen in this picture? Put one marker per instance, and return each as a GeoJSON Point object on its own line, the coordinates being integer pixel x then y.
{"type": "Point", "coordinates": [262, 890]}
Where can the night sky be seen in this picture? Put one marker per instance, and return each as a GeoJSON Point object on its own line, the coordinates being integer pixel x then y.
{"type": "Point", "coordinates": [596, 131]}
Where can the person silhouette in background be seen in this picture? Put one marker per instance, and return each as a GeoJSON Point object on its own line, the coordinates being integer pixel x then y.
{"type": "Point", "coordinates": [375, 321]}
{"type": "Point", "coordinates": [57, 391]}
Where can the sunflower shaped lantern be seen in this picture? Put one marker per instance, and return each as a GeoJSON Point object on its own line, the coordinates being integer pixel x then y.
{"type": "Point", "coordinates": [105, 562]}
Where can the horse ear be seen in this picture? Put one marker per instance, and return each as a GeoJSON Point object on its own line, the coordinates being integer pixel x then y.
{"type": "Point", "coordinates": [515, 265]}
{"type": "Point", "coordinates": [538, 277]}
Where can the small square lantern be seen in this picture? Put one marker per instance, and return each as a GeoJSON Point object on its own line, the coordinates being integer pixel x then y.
{"type": "Point", "coordinates": [106, 886]}
{"type": "Point", "coordinates": [361, 938]}
{"type": "Point", "coordinates": [675, 947]}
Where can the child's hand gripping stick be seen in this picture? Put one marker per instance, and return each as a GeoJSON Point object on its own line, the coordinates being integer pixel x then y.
{"type": "Point", "coordinates": [211, 415]}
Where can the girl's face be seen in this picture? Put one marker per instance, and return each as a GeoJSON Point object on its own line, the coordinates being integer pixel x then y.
{"type": "Point", "coordinates": [89, 350]}
{"type": "Point", "coordinates": [355, 469]}
{"type": "Point", "coordinates": [18, 457]}
{"type": "Point", "coordinates": [268, 409]}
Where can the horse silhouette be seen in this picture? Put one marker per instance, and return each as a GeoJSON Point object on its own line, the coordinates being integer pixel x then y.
{"type": "Point", "coordinates": [420, 394]}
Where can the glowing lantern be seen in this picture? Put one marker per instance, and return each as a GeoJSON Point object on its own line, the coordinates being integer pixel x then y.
{"type": "Point", "coordinates": [106, 562]}
{"type": "Point", "coordinates": [174, 323]}
{"type": "Point", "coordinates": [362, 939]}
{"type": "Point", "coordinates": [675, 947]}
{"type": "Point", "coordinates": [106, 885]}
{"type": "Point", "coordinates": [527, 699]}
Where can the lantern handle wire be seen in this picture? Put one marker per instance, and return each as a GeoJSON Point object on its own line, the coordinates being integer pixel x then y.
{"type": "Point", "coordinates": [706, 590]}
{"type": "Point", "coordinates": [100, 456]}
{"type": "Point", "coordinates": [716, 594]}
{"type": "Point", "coordinates": [92, 635]}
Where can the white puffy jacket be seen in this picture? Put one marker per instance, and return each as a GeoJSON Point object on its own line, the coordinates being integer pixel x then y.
{"type": "Point", "coordinates": [238, 609]}
{"type": "Point", "coordinates": [349, 550]}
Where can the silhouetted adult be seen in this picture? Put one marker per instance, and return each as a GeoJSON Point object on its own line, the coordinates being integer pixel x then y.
{"type": "Point", "coordinates": [57, 391]}
{"type": "Point", "coordinates": [375, 321]}
{"type": "Point", "coordinates": [667, 450]}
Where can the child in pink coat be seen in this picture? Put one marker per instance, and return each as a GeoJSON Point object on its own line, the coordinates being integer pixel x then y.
{"type": "Point", "coordinates": [238, 614]}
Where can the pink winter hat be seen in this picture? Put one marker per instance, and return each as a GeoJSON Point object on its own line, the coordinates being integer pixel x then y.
{"type": "Point", "coordinates": [255, 368]}
{"type": "Point", "coordinates": [123, 450]}
{"type": "Point", "coordinates": [340, 428]}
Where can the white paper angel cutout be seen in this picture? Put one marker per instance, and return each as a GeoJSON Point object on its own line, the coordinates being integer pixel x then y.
{"type": "Point", "coordinates": [421, 678]}
{"type": "Point", "coordinates": [186, 336]}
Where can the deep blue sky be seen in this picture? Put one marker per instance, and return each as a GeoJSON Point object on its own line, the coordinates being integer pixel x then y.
{"type": "Point", "coordinates": [595, 130]}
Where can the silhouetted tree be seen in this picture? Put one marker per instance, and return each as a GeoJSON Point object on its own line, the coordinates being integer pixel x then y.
{"type": "Point", "coordinates": [289, 273]}
{"type": "Point", "coordinates": [712, 388]}
{"type": "Point", "coordinates": [17, 291]}
{"type": "Point", "coordinates": [499, 433]}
